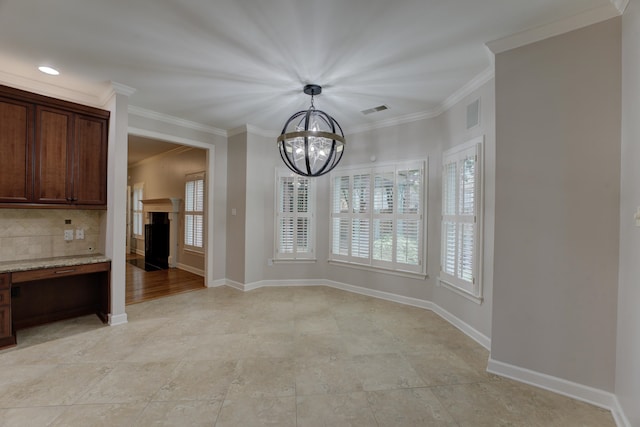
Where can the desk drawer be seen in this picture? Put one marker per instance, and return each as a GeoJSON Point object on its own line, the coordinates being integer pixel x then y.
{"type": "Point", "coordinates": [5, 297]}
{"type": "Point", "coordinates": [49, 273]}
{"type": "Point", "coordinates": [4, 281]}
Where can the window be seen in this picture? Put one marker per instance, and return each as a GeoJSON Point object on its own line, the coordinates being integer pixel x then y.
{"type": "Point", "coordinates": [295, 196]}
{"type": "Point", "coordinates": [461, 225]}
{"type": "Point", "coordinates": [194, 212]}
{"type": "Point", "coordinates": [377, 217]}
{"type": "Point", "coordinates": [138, 222]}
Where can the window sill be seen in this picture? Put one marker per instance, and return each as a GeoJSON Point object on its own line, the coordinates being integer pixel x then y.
{"type": "Point", "coordinates": [194, 251]}
{"type": "Point", "coordinates": [409, 274]}
{"type": "Point", "coordinates": [293, 260]}
{"type": "Point", "coordinates": [477, 299]}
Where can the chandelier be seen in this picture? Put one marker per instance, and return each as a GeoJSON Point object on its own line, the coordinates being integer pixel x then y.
{"type": "Point", "coordinates": [312, 142]}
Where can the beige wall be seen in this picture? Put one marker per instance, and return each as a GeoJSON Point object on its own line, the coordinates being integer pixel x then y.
{"type": "Point", "coordinates": [557, 205]}
{"type": "Point", "coordinates": [236, 200]}
{"type": "Point", "coordinates": [628, 342]}
{"type": "Point", "coordinates": [163, 177]}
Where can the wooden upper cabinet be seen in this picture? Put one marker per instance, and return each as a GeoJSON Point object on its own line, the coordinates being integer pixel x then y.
{"type": "Point", "coordinates": [52, 152]}
{"type": "Point", "coordinates": [16, 148]}
{"type": "Point", "coordinates": [90, 161]}
{"type": "Point", "coordinates": [53, 155]}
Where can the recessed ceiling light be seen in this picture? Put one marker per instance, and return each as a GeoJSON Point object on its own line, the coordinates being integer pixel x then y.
{"type": "Point", "coordinates": [48, 70]}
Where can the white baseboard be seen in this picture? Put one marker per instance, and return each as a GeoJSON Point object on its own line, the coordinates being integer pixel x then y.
{"type": "Point", "coordinates": [191, 269]}
{"type": "Point", "coordinates": [139, 252]}
{"type": "Point", "coordinates": [594, 396]}
{"type": "Point", "coordinates": [117, 319]}
{"type": "Point", "coordinates": [468, 330]}
{"type": "Point", "coordinates": [216, 283]}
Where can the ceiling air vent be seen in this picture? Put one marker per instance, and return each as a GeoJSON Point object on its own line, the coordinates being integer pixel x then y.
{"type": "Point", "coordinates": [374, 109]}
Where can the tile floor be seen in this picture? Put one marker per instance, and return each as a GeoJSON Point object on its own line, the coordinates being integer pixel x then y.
{"type": "Point", "coordinates": [312, 356]}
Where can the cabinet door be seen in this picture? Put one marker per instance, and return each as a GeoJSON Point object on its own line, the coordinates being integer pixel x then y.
{"type": "Point", "coordinates": [53, 155]}
{"type": "Point", "coordinates": [16, 146]}
{"type": "Point", "coordinates": [90, 161]}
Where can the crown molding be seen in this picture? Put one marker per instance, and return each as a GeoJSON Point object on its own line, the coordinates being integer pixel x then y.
{"type": "Point", "coordinates": [48, 89]}
{"type": "Point", "coordinates": [116, 89]}
{"type": "Point", "coordinates": [153, 115]}
{"type": "Point", "coordinates": [558, 27]}
{"type": "Point", "coordinates": [621, 5]}
{"type": "Point", "coordinates": [473, 85]}
{"type": "Point", "coordinates": [466, 90]}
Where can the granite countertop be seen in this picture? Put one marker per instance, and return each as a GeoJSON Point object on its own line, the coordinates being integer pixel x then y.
{"type": "Point", "coordinates": [63, 261]}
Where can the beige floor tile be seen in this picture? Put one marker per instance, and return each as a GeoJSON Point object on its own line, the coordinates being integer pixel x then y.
{"type": "Point", "coordinates": [351, 409]}
{"type": "Point", "coordinates": [106, 415]}
{"type": "Point", "coordinates": [273, 345]}
{"type": "Point", "coordinates": [275, 356]}
{"type": "Point", "coordinates": [199, 380]}
{"type": "Point", "coordinates": [263, 377]}
{"type": "Point", "coordinates": [408, 407]}
{"type": "Point", "coordinates": [385, 372]}
{"type": "Point", "coordinates": [445, 367]}
{"type": "Point", "coordinates": [53, 385]}
{"type": "Point", "coordinates": [34, 417]}
{"type": "Point", "coordinates": [322, 375]}
{"type": "Point", "coordinates": [228, 347]}
{"type": "Point", "coordinates": [316, 322]}
{"type": "Point", "coordinates": [183, 413]}
{"type": "Point", "coordinates": [243, 410]}
{"type": "Point", "coordinates": [130, 382]}
{"type": "Point", "coordinates": [162, 349]}
{"type": "Point", "coordinates": [314, 345]}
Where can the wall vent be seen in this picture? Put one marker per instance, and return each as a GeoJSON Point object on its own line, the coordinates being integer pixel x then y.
{"type": "Point", "coordinates": [374, 109]}
{"type": "Point", "coordinates": [473, 114]}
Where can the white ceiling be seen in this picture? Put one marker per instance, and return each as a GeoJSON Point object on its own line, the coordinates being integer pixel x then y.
{"type": "Point", "coordinates": [227, 63]}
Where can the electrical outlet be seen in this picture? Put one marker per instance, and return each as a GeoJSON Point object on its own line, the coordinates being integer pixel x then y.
{"type": "Point", "coordinates": [68, 235]}
{"type": "Point", "coordinates": [80, 233]}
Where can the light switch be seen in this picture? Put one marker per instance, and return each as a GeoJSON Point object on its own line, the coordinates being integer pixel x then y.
{"type": "Point", "coordinates": [637, 217]}
{"type": "Point", "coordinates": [68, 235]}
{"type": "Point", "coordinates": [233, 211]}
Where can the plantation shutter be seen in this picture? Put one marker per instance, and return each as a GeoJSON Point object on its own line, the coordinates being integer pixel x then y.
{"type": "Point", "coordinates": [360, 225]}
{"type": "Point", "coordinates": [194, 211]}
{"type": "Point", "coordinates": [294, 216]}
{"type": "Point", "coordinates": [460, 212]}
{"type": "Point", "coordinates": [377, 217]}
{"type": "Point", "coordinates": [383, 216]}
{"type": "Point", "coordinates": [340, 216]}
{"type": "Point", "coordinates": [409, 218]}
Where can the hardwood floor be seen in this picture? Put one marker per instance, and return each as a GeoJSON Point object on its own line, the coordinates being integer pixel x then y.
{"type": "Point", "coordinates": [144, 285]}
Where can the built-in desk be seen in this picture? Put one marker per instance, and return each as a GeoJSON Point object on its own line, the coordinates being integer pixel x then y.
{"type": "Point", "coordinates": [34, 292]}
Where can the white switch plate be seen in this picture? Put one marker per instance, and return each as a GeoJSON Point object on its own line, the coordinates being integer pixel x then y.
{"type": "Point", "coordinates": [68, 235]}
{"type": "Point", "coordinates": [80, 233]}
{"type": "Point", "coordinates": [637, 217]}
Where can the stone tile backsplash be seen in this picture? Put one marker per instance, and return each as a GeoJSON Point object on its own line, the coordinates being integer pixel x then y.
{"type": "Point", "coordinates": [39, 233]}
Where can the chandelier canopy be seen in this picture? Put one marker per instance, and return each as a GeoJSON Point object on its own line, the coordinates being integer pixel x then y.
{"type": "Point", "coordinates": [312, 142]}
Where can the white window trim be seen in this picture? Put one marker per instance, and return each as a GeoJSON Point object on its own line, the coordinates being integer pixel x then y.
{"type": "Point", "coordinates": [195, 177]}
{"type": "Point", "coordinates": [137, 186]}
{"type": "Point", "coordinates": [294, 257]}
{"type": "Point", "coordinates": [392, 268]}
{"type": "Point", "coordinates": [475, 292]}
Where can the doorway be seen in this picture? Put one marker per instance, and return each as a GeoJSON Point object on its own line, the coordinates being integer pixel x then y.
{"type": "Point", "coordinates": [157, 171]}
